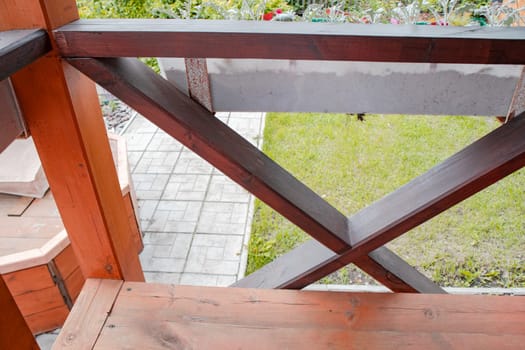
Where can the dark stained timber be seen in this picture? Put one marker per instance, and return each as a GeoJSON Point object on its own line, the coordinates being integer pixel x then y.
{"type": "Point", "coordinates": [18, 48]}
{"type": "Point", "coordinates": [199, 130]}
{"type": "Point", "coordinates": [469, 171]}
{"type": "Point", "coordinates": [281, 40]}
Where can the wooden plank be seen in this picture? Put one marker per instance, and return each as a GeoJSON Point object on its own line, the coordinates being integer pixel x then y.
{"type": "Point", "coordinates": [14, 332]}
{"type": "Point", "coordinates": [306, 41]}
{"type": "Point", "coordinates": [18, 48]}
{"type": "Point", "coordinates": [21, 206]}
{"type": "Point", "coordinates": [472, 169]}
{"type": "Point", "coordinates": [47, 320]}
{"type": "Point", "coordinates": [74, 283]}
{"type": "Point", "coordinates": [199, 130]}
{"type": "Point", "coordinates": [34, 257]}
{"type": "Point", "coordinates": [62, 110]}
{"type": "Point", "coordinates": [155, 316]}
{"type": "Point", "coordinates": [41, 300]}
{"type": "Point", "coordinates": [66, 262]}
{"type": "Point", "coordinates": [89, 315]}
{"type": "Point", "coordinates": [28, 280]}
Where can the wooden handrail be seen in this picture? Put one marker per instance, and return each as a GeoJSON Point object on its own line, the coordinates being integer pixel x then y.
{"type": "Point", "coordinates": [18, 48]}
{"type": "Point", "coordinates": [299, 40]}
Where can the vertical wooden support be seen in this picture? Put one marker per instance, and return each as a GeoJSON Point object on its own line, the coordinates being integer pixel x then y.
{"type": "Point", "coordinates": [62, 112]}
{"type": "Point", "coordinates": [14, 332]}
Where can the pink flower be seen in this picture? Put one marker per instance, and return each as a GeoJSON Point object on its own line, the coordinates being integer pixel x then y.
{"type": "Point", "coordinates": [278, 11]}
{"type": "Point", "coordinates": [394, 21]}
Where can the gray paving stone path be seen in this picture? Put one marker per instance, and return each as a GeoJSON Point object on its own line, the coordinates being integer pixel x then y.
{"type": "Point", "coordinates": [195, 220]}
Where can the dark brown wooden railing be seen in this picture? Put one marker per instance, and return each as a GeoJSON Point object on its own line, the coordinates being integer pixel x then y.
{"type": "Point", "coordinates": [281, 40]}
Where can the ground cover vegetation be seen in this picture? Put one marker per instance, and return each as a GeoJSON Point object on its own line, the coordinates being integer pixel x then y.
{"type": "Point", "coordinates": [352, 163]}
{"type": "Point", "coordinates": [479, 242]}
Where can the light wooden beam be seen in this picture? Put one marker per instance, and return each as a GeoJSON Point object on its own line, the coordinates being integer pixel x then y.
{"type": "Point", "coordinates": [198, 129]}
{"type": "Point", "coordinates": [474, 168]}
{"type": "Point", "coordinates": [62, 111]}
{"type": "Point", "coordinates": [282, 40]}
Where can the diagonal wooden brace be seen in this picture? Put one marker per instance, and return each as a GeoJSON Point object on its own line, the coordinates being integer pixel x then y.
{"type": "Point", "coordinates": [469, 171]}
{"type": "Point", "coordinates": [197, 128]}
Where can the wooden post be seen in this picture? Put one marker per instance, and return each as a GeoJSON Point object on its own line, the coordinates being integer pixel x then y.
{"type": "Point", "coordinates": [14, 332]}
{"type": "Point", "coordinates": [62, 111]}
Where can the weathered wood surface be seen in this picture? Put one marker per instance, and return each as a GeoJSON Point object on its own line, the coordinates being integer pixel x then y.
{"type": "Point", "coordinates": [91, 309]}
{"type": "Point", "coordinates": [38, 298]}
{"type": "Point", "coordinates": [14, 331]}
{"type": "Point", "coordinates": [280, 40]}
{"type": "Point", "coordinates": [18, 48]}
{"type": "Point", "coordinates": [472, 169]}
{"type": "Point", "coordinates": [154, 316]}
{"type": "Point", "coordinates": [198, 129]}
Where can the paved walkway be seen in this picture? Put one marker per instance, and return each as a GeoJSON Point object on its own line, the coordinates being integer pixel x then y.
{"type": "Point", "coordinates": [196, 221]}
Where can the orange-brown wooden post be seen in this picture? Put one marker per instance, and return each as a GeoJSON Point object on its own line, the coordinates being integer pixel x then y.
{"type": "Point", "coordinates": [14, 332]}
{"type": "Point", "coordinates": [62, 111]}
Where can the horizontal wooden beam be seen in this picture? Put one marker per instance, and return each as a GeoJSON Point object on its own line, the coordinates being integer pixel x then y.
{"type": "Point", "coordinates": [18, 48]}
{"type": "Point", "coordinates": [299, 40]}
{"type": "Point", "coordinates": [157, 316]}
{"type": "Point", "coordinates": [474, 168]}
{"type": "Point", "coordinates": [199, 130]}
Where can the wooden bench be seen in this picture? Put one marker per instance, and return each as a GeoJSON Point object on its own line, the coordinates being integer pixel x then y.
{"type": "Point", "coordinates": [111, 314]}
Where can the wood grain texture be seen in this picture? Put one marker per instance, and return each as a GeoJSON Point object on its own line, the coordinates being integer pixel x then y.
{"type": "Point", "coordinates": [74, 283]}
{"type": "Point", "coordinates": [14, 331]}
{"type": "Point", "coordinates": [281, 40]}
{"type": "Point", "coordinates": [47, 320]}
{"type": "Point", "coordinates": [18, 48]}
{"type": "Point", "coordinates": [154, 316]}
{"type": "Point", "coordinates": [88, 316]}
{"type": "Point", "coordinates": [66, 262]}
{"type": "Point", "coordinates": [469, 171]}
{"type": "Point", "coordinates": [28, 280]}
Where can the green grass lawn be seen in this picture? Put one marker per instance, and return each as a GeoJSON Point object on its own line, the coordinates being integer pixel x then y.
{"type": "Point", "coordinates": [479, 242]}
